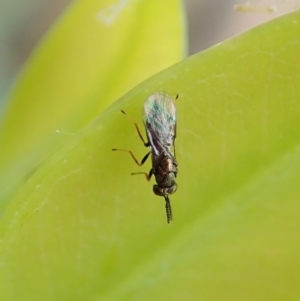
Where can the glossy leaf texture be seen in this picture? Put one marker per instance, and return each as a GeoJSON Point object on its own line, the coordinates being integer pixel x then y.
{"type": "Point", "coordinates": [97, 51]}
{"type": "Point", "coordinates": [83, 228]}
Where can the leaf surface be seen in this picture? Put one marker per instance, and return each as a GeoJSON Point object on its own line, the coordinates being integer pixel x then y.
{"type": "Point", "coordinates": [83, 228]}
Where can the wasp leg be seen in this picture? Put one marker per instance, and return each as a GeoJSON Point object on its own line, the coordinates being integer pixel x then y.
{"type": "Point", "coordinates": [137, 129]}
{"type": "Point", "coordinates": [148, 176]}
{"type": "Point", "coordinates": [132, 155]}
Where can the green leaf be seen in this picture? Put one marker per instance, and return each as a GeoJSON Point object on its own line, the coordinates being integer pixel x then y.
{"type": "Point", "coordinates": [97, 52]}
{"type": "Point", "coordinates": [82, 228]}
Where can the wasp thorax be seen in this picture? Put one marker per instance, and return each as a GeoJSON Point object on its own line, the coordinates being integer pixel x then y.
{"type": "Point", "coordinates": [163, 191]}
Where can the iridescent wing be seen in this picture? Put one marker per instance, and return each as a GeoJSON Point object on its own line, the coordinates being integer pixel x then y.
{"type": "Point", "coordinates": [160, 121]}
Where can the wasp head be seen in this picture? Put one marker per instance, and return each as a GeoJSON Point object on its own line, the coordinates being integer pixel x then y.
{"type": "Point", "coordinates": [164, 191]}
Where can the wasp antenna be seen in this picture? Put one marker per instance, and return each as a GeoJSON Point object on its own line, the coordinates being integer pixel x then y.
{"type": "Point", "coordinates": [168, 209]}
{"type": "Point", "coordinates": [177, 96]}
{"type": "Point", "coordinates": [123, 112]}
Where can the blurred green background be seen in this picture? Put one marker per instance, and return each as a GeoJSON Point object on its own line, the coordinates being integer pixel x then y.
{"type": "Point", "coordinates": [23, 23]}
{"type": "Point", "coordinates": [237, 207]}
{"type": "Point", "coordinates": [86, 228]}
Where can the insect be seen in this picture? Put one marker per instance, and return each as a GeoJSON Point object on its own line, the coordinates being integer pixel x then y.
{"type": "Point", "coordinates": [160, 124]}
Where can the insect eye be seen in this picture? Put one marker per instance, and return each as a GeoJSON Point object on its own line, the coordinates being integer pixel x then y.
{"type": "Point", "coordinates": [173, 188]}
{"type": "Point", "coordinates": [158, 190]}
